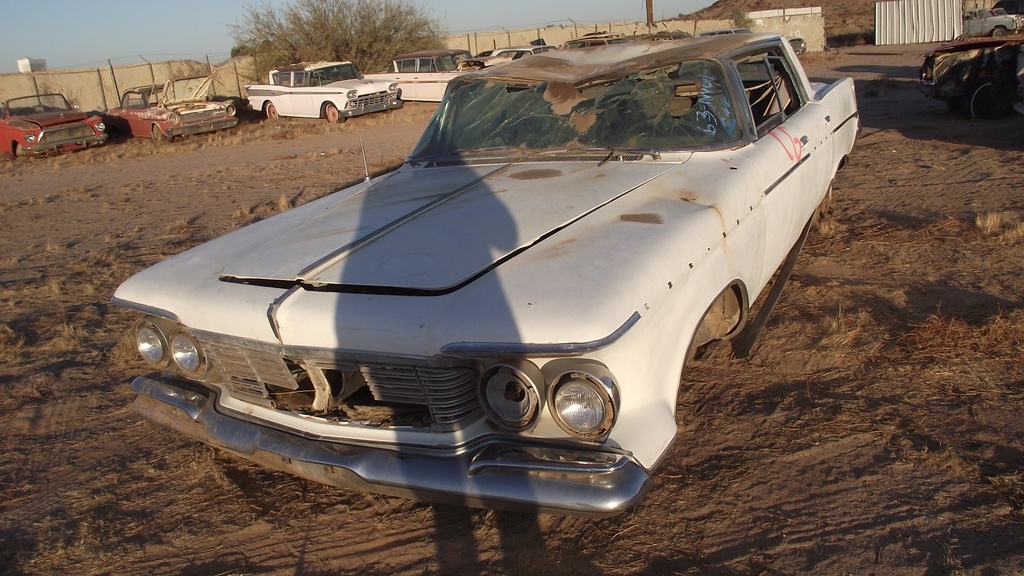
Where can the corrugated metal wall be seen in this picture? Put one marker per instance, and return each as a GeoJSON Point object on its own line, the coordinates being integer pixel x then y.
{"type": "Point", "coordinates": [916, 21]}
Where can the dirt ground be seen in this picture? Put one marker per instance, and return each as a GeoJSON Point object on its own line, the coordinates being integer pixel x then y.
{"type": "Point", "coordinates": [876, 430]}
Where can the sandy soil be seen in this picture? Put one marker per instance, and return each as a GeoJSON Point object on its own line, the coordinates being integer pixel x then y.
{"type": "Point", "coordinates": [876, 430]}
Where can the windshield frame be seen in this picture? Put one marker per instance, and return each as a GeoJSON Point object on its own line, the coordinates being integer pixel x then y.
{"type": "Point", "coordinates": [586, 107]}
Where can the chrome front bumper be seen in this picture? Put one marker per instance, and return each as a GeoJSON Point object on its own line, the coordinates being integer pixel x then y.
{"type": "Point", "coordinates": [495, 473]}
{"type": "Point", "coordinates": [64, 145]}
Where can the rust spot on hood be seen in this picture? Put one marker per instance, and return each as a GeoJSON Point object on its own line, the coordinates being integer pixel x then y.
{"type": "Point", "coordinates": [646, 218]}
{"type": "Point", "coordinates": [536, 174]}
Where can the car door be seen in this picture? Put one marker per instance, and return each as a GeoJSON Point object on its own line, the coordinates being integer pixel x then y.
{"type": "Point", "coordinates": [792, 150]}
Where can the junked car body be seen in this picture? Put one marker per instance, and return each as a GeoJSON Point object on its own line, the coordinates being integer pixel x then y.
{"type": "Point", "coordinates": [595, 39]}
{"type": "Point", "coordinates": [47, 123]}
{"type": "Point", "coordinates": [503, 320]}
{"type": "Point", "coordinates": [502, 55]}
{"type": "Point", "coordinates": [176, 108]}
{"type": "Point", "coordinates": [335, 91]}
{"type": "Point", "coordinates": [980, 78]}
{"type": "Point", "coordinates": [423, 76]}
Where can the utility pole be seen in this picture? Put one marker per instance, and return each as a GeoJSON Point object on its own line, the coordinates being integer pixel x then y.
{"type": "Point", "coordinates": [650, 13]}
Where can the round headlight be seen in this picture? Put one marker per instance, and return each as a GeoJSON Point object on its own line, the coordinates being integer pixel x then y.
{"type": "Point", "coordinates": [100, 126]}
{"type": "Point", "coordinates": [352, 94]}
{"type": "Point", "coordinates": [393, 87]}
{"type": "Point", "coordinates": [30, 138]}
{"type": "Point", "coordinates": [582, 405]}
{"type": "Point", "coordinates": [186, 354]}
{"type": "Point", "coordinates": [510, 396]}
{"type": "Point", "coordinates": [230, 110]}
{"type": "Point", "coordinates": [150, 343]}
{"type": "Point", "coordinates": [173, 118]}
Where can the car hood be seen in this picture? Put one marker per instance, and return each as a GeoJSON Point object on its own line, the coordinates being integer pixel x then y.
{"type": "Point", "coordinates": [186, 90]}
{"type": "Point", "coordinates": [47, 119]}
{"type": "Point", "coordinates": [429, 231]}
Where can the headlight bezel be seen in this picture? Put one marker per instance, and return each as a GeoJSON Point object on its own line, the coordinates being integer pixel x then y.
{"type": "Point", "coordinates": [505, 378]}
{"type": "Point", "coordinates": [154, 340]}
{"type": "Point", "coordinates": [183, 347]}
{"type": "Point", "coordinates": [596, 380]}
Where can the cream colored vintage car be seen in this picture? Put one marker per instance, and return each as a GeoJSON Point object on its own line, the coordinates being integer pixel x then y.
{"type": "Point", "coordinates": [334, 91]}
{"type": "Point", "coordinates": [423, 76]}
{"type": "Point", "coordinates": [503, 321]}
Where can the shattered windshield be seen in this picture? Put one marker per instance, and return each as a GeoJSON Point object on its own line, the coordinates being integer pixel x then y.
{"type": "Point", "coordinates": [680, 106]}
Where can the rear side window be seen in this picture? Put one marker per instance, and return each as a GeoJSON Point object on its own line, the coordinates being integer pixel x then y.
{"type": "Point", "coordinates": [771, 91]}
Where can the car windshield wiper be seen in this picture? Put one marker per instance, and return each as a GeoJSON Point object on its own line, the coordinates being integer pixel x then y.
{"type": "Point", "coordinates": [620, 152]}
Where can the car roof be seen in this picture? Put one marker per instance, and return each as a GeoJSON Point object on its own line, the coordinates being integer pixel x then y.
{"type": "Point", "coordinates": [578, 66]}
{"type": "Point", "coordinates": [525, 47]}
{"type": "Point", "coordinates": [429, 54]}
{"type": "Point", "coordinates": [307, 66]}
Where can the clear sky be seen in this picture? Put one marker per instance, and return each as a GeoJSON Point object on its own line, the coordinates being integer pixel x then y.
{"type": "Point", "coordinates": [86, 33]}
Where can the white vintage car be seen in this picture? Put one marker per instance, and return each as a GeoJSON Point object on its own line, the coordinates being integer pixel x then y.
{"type": "Point", "coordinates": [331, 90]}
{"type": "Point", "coordinates": [503, 321]}
{"type": "Point", "coordinates": [423, 76]}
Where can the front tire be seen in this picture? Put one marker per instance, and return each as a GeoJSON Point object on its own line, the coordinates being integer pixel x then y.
{"type": "Point", "coordinates": [158, 134]}
{"type": "Point", "coordinates": [332, 114]}
{"type": "Point", "coordinates": [998, 32]}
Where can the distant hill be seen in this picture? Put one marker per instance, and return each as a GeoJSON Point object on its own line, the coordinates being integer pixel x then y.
{"type": "Point", "coordinates": [845, 20]}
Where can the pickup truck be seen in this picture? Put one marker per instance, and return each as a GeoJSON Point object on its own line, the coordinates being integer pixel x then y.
{"type": "Point", "coordinates": [505, 320]}
{"type": "Point", "coordinates": [984, 22]}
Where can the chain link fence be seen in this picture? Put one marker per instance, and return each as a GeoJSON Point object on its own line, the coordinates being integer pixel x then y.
{"type": "Point", "coordinates": [98, 89]}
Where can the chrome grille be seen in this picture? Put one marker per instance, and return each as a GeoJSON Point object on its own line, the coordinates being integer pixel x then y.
{"type": "Point", "coordinates": [450, 393]}
{"type": "Point", "coordinates": [189, 117]}
{"type": "Point", "coordinates": [67, 133]}
{"type": "Point", "coordinates": [247, 370]}
{"type": "Point", "coordinates": [375, 98]}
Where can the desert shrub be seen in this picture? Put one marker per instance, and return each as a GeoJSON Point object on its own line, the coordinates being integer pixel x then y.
{"type": "Point", "coordinates": [367, 32]}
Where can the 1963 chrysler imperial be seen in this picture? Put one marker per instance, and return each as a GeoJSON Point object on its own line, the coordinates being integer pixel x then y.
{"type": "Point", "coordinates": [503, 321]}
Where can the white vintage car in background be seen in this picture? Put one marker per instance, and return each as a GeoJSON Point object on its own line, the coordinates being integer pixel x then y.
{"type": "Point", "coordinates": [503, 321]}
{"type": "Point", "coordinates": [331, 90]}
{"type": "Point", "coordinates": [423, 76]}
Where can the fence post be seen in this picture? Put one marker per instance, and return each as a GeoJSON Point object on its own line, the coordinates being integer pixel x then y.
{"type": "Point", "coordinates": [35, 84]}
{"type": "Point", "coordinates": [238, 84]}
{"type": "Point", "coordinates": [152, 74]}
{"type": "Point", "coordinates": [117, 92]}
{"type": "Point", "coordinates": [209, 69]}
{"type": "Point", "coordinates": [103, 93]}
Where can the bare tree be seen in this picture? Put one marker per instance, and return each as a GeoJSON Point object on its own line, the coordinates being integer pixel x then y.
{"type": "Point", "coordinates": [366, 32]}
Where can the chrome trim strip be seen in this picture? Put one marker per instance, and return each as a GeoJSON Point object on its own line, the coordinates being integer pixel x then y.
{"type": "Point", "coordinates": [531, 349]}
{"type": "Point", "coordinates": [591, 482]}
{"type": "Point", "coordinates": [152, 311]}
{"type": "Point", "coordinates": [845, 122]}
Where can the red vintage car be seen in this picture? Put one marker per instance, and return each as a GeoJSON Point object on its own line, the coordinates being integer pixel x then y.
{"type": "Point", "coordinates": [45, 124]}
{"type": "Point", "coordinates": [177, 108]}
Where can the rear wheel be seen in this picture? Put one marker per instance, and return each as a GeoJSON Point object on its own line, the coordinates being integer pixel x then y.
{"type": "Point", "coordinates": [271, 111]}
{"type": "Point", "coordinates": [987, 101]}
{"type": "Point", "coordinates": [332, 114]}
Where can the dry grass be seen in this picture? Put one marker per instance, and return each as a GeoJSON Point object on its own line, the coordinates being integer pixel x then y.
{"type": "Point", "coordinates": [1007, 227]}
